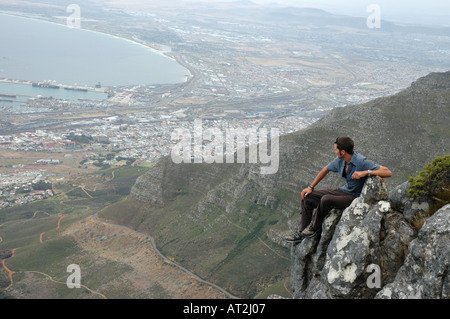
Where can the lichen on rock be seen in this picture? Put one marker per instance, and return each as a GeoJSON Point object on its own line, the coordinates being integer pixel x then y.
{"type": "Point", "coordinates": [372, 237]}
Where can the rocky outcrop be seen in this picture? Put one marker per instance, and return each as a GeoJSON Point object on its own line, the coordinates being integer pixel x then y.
{"type": "Point", "coordinates": [426, 271]}
{"type": "Point", "coordinates": [166, 180]}
{"type": "Point", "coordinates": [370, 250]}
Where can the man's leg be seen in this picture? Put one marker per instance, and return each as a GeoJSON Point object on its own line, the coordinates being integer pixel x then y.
{"type": "Point", "coordinates": [309, 204]}
{"type": "Point", "coordinates": [315, 207]}
{"type": "Point", "coordinates": [333, 199]}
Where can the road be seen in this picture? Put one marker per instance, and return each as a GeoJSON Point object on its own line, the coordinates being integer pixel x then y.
{"type": "Point", "coordinates": [167, 260]}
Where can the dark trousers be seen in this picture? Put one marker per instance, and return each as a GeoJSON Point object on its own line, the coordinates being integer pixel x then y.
{"type": "Point", "coordinates": [324, 201]}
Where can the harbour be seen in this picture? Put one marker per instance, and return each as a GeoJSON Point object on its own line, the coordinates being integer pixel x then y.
{"type": "Point", "coordinates": [13, 91]}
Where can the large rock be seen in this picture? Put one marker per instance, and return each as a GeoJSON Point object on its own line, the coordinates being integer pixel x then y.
{"type": "Point", "coordinates": [356, 243]}
{"type": "Point", "coordinates": [308, 259]}
{"type": "Point", "coordinates": [410, 207]}
{"type": "Point", "coordinates": [365, 237]}
{"type": "Point", "coordinates": [425, 273]}
{"type": "Point", "coordinates": [398, 197]}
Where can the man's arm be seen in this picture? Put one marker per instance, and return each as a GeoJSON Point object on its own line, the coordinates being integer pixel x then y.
{"type": "Point", "coordinates": [382, 172]}
{"type": "Point", "coordinates": [316, 181]}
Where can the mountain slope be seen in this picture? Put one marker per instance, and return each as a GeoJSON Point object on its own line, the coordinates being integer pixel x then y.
{"type": "Point", "coordinates": [222, 220]}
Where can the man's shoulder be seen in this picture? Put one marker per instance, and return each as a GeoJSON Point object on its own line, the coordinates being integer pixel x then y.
{"type": "Point", "coordinates": [334, 164]}
{"type": "Point", "coordinates": [357, 157]}
{"type": "Point", "coordinates": [338, 160]}
{"type": "Point", "coordinates": [363, 162]}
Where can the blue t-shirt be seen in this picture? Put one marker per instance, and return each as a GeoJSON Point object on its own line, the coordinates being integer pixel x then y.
{"type": "Point", "coordinates": [358, 163]}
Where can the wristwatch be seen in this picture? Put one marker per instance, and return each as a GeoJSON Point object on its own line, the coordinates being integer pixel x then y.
{"type": "Point", "coordinates": [312, 188]}
{"type": "Point", "coordinates": [370, 172]}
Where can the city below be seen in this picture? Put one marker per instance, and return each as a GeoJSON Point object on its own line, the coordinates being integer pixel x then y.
{"type": "Point", "coordinates": [244, 73]}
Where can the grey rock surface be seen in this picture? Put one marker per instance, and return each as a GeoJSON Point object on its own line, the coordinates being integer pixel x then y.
{"type": "Point", "coordinates": [370, 250]}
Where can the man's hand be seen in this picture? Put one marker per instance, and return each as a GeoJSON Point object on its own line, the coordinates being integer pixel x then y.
{"type": "Point", "coordinates": [359, 174]}
{"type": "Point", "coordinates": [306, 192]}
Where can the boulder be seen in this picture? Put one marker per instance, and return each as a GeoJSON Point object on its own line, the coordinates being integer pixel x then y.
{"type": "Point", "coordinates": [410, 207]}
{"type": "Point", "coordinates": [366, 240]}
{"type": "Point", "coordinates": [425, 273]}
{"type": "Point", "coordinates": [414, 207]}
{"type": "Point", "coordinates": [399, 196]}
{"type": "Point", "coordinates": [308, 259]}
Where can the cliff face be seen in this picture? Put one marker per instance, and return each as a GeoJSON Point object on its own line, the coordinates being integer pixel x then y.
{"type": "Point", "coordinates": [229, 210]}
{"type": "Point", "coordinates": [362, 250]}
{"type": "Point", "coordinates": [426, 271]}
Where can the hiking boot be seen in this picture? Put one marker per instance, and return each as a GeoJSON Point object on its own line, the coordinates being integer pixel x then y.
{"type": "Point", "coordinates": [309, 232]}
{"type": "Point", "coordinates": [294, 238]}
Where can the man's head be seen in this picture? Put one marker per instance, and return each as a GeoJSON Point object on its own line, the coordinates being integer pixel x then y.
{"type": "Point", "coordinates": [343, 144]}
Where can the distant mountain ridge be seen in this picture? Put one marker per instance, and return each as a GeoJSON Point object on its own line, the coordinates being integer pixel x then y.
{"type": "Point", "coordinates": [221, 220]}
{"type": "Point", "coordinates": [305, 16]}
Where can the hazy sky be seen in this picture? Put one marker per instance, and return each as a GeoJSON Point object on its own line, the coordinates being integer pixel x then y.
{"type": "Point", "coordinates": [408, 11]}
{"type": "Point", "coordinates": [411, 11]}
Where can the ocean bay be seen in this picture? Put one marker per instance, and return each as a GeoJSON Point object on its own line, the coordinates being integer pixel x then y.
{"type": "Point", "coordinates": [36, 50]}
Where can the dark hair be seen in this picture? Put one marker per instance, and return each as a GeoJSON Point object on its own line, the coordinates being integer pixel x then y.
{"type": "Point", "coordinates": [345, 143]}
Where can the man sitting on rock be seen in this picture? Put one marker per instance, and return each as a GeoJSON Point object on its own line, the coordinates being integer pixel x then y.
{"type": "Point", "coordinates": [316, 204]}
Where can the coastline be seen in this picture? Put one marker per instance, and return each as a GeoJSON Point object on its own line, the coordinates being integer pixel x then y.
{"type": "Point", "coordinates": [152, 49]}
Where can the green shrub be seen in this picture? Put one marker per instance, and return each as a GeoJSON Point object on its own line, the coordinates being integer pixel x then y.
{"type": "Point", "coordinates": [433, 180]}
